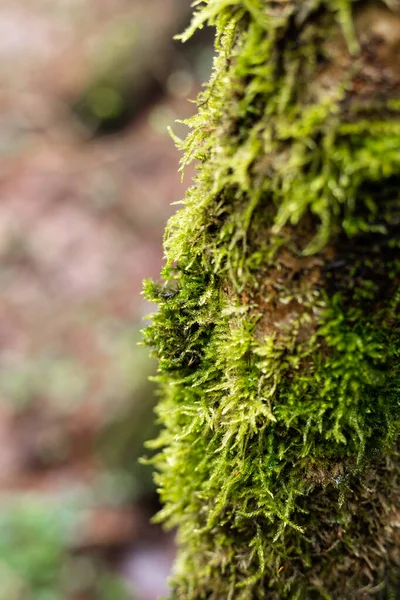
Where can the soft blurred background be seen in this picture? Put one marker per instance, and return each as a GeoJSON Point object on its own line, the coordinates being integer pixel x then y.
{"type": "Point", "coordinates": [88, 173]}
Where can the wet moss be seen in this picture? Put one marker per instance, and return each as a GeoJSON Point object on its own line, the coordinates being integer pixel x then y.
{"type": "Point", "coordinates": [278, 330]}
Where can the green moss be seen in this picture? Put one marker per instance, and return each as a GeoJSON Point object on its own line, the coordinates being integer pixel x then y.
{"type": "Point", "coordinates": [278, 331]}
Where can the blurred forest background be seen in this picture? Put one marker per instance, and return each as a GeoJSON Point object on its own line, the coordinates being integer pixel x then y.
{"type": "Point", "coordinates": [87, 177]}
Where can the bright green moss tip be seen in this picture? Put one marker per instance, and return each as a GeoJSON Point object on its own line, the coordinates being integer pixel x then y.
{"type": "Point", "coordinates": [277, 330]}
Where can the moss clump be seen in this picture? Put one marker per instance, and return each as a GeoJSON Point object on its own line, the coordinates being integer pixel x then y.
{"type": "Point", "coordinates": [278, 324]}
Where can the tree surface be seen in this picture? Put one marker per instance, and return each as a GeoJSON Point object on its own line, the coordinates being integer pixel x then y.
{"type": "Point", "coordinates": [278, 324]}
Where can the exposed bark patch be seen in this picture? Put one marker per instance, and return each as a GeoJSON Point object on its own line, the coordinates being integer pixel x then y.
{"type": "Point", "coordinates": [371, 75]}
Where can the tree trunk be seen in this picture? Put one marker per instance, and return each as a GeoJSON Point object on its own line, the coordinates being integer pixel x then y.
{"type": "Point", "coordinates": [278, 324]}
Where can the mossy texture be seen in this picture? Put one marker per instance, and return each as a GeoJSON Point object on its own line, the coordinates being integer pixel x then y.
{"type": "Point", "coordinates": [278, 324]}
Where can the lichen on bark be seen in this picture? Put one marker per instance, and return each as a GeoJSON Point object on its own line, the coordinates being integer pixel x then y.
{"type": "Point", "coordinates": [278, 324]}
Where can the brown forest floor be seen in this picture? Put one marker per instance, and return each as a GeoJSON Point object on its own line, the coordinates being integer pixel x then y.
{"type": "Point", "coordinates": [84, 197]}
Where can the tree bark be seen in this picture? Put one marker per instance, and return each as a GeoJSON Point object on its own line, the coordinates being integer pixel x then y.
{"type": "Point", "coordinates": [278, 324]}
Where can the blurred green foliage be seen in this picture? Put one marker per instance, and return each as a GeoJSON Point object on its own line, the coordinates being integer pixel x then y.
{"type": "Point", "coordinates": [35, 562]}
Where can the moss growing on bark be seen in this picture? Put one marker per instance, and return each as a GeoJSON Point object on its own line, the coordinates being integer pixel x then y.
{"type": "Point", "coordinates": [278, 324]}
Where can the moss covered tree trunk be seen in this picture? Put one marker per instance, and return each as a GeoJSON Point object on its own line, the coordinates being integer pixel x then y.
{"type": "Point", "coordinates": [278, 324]}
